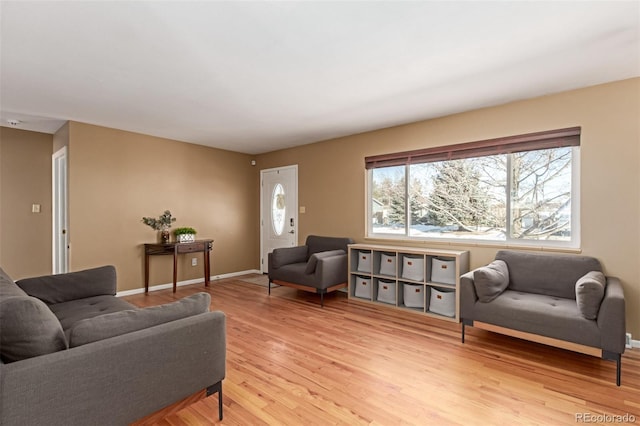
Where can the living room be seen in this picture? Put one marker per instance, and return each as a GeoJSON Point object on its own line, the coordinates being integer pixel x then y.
{"type": "Point", "coordinates": [116, 177]}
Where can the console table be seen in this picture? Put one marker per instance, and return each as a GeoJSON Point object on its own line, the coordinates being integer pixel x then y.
{"type": "Point", "coordinates": [175, 249]}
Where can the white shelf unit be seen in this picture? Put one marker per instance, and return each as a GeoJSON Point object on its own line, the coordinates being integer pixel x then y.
{"type": "Point", "coordinates": [413, 271]}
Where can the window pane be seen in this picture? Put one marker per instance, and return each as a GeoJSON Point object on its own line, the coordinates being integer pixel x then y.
{"type": "Point", "coordinates": [523, 196]}
{"type": "Point", "coordinates": [463, 199]}
{"type": "Point", "coordinates": [278, 209]}
{"type": "Point", "coordinates": [388, 200]}
{"type": "Point", "coordinates": [541, 195]}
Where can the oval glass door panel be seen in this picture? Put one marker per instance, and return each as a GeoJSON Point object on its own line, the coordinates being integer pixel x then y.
{"type": "Point", "coordinates": [278, 209]}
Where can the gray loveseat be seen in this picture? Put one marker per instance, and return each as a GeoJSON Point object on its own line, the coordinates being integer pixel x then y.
{"type": "Point", "coordinates": [319, 266]}
{"type": "Point", "coordinates": [74, 354]}
{"type": "Point", "coordinates": [559, 300]}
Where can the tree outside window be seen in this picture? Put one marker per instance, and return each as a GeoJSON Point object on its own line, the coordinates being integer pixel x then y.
{"type": "Point", "coordinates": [516, 196]}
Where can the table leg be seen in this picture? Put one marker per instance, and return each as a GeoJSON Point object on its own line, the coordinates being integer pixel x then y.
{"type": "Point", "coordinates": [175, 270]}
{"type": "Point", "coordinates": [207, 267]}
{"type": "Point", "coordinates": [146, 273]}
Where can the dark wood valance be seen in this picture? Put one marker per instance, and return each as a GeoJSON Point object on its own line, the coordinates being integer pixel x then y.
{"type": "Point", "coordinates": [505, 145]}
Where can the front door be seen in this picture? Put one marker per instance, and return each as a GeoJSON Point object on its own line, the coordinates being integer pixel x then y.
{"type": "Point", "coordinates": [279, 210]}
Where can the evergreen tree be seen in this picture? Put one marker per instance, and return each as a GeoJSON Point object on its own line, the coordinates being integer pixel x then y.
{"type": "Point", "coordinates": [418, 204]}
{"type": "Point", "coordinates": [397, 212]}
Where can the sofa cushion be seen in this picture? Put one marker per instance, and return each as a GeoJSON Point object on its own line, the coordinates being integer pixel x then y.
{"type": "Point", "coordinates": [491, 280]}
{"type": "Point", "coordinates": [313, 260]}
{"type": "Point", "coordinates": [71, 312]}
{"type": "Point", "coordinates": [118, 323]}
{"type": "Point", "coordinates": [8, 288]}
{"type": "Point", "coordinates": [73, 285]}
{"type": "Point", "coordinates": [29, 329]}
{"type": "Point", "coordinates": [589, 293]}
{"type": "Point", "coordinates": [287, 255]}
{"type": "Point", "coordinates": [548, 274]}
{"type": "Point", "coordinates": [318, 243]}
{"type": "Point", "coordinates": [293, 273]}
{"type": "Point", "coordinates": [540, 314]}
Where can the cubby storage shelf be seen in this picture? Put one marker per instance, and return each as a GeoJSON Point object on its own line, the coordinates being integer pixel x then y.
{"type": "Point", "coordinates": [419, 280]}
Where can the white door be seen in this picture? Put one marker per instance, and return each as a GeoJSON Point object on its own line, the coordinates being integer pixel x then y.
{"type": "Point", "coordinates": [279, 210]}
{"type": "Point", "coordinates": [60, 237]}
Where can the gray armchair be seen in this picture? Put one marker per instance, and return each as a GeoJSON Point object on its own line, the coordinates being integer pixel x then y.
{"type": "Point", "coordinates": [319, 266]}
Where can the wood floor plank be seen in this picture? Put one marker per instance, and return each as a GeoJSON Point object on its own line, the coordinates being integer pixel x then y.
{"type": "Point", "coordinates": [292, 362]}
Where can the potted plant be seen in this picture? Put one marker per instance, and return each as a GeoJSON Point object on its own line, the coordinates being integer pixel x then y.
{"type": "Point", "coordinates": [162, 224]}
{"type": "Point", "coordinates": [185, 234]}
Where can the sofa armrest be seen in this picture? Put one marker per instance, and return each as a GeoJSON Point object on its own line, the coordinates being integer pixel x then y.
{"type": "Point", "coordinates": [611, 317]}
{"type": "Point", "coordinates": [468, 295]}
{"type": "Point", "coordinates": [287, 255]}
{"type": "Point", "coordinates": [117, 380]}
{"type": "Point", "coordinates": [72, 285]}
{"type": "Point", "coordinates": [331, 270]}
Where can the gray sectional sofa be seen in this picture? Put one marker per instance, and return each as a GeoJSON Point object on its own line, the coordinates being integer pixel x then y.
{"type": "Point", "coordinates": [555, 299]}
{"type": "Point", "coordinates": [72, 353]}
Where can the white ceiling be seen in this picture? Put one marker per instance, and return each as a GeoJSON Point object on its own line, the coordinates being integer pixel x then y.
{"type": "Point", "coordinates": [254, 77]}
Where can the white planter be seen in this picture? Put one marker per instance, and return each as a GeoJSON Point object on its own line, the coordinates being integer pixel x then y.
{"type": "Point", "coordinates": [186, 238]}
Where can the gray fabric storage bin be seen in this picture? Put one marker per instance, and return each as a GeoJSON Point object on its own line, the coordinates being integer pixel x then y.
{"type": "Point", "coordinates": [364, 261]}
{"type": "Point", "coordinates": [442, 302]}
{"type": "Point", "coordinates": [413, 268]}
{"type": "Point", "coordinates": [388, 264]}
{"type": "Point", "coordinates": [413, 295]}
{"type": "Point", "coordinates": [387, 291]}
{"type": "Point", "coordinates": [363, 288]}
{"type": "Point", "coordinates": [443, 271]}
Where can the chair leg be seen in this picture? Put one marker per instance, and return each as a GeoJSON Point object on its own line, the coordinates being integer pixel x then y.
{"type": "Point", "coordinates": [269, 285]}
{"type": "Point", "coordinates": [612, 356]}
{"type": "Point", "coordinates": [322, 300]}
{"type": "Point", "coordinates": [217, 388]}
{"type": "Point", "coordinates": [462, 331]}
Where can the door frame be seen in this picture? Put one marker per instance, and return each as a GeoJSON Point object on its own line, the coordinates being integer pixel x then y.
{"type": "Point", "coordinates": [294, 167]}
{"type": "Point", "coordinates": [60, 212]}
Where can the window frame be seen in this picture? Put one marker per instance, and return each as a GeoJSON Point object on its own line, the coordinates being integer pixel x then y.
{"type": "Point", "coordinates": [558, 138]}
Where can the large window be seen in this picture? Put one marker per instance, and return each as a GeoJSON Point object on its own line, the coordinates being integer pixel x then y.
{"type": "Point", "coordinates": [515, 190]}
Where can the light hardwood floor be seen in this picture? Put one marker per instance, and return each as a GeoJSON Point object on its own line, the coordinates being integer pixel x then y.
{"type": "Point", "coordinates": [291, 362]}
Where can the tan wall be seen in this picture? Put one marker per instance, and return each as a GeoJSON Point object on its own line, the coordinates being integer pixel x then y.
{"type": "Point", "coordinates": [118, 177]}
{"type": "Point", "coordinates": [332, 177]}
{"type": "Point", "coordinates": [25, 179]}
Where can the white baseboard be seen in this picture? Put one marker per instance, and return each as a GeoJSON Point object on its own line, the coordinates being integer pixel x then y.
{"type": "Point", "coordinates": [635, 344]}
{"type": "Point", "coordinates": [187, 282]}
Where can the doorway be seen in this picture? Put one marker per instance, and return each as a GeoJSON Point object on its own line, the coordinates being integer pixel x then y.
{"type": "Point", "coordinates": [279, 210]}
{"type": "Point", "coordinates": [60, 237]}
